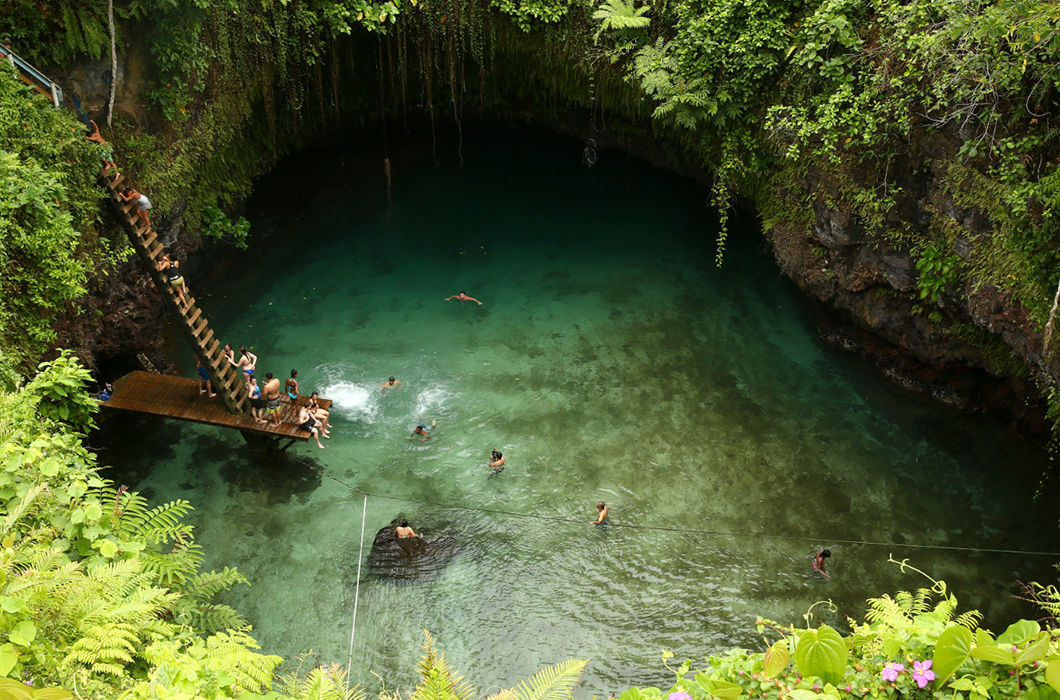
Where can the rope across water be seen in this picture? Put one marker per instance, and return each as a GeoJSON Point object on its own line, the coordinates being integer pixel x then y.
{"type": "Point", "coordinates": [683, 530]}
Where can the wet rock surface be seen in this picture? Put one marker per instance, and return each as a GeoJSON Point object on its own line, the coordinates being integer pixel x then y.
{"type": "Point", "coordinates": [409, 558]}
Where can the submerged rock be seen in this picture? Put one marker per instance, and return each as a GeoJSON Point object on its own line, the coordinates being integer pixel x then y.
{"type": "Point", "coordinates": [408, 558]}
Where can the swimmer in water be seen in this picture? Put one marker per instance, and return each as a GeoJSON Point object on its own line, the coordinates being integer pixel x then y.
{"type": "Point", "coordinates": [464, 297]}
{"type": "Point", "coordinates": [818, 562]}
{"type": "Point", "coordinates": [392, 384]}
{"type": "Point", "coordinates": [601, 513]}
{"type": "Point", "coordinates": [403, 530]}
{"type": "Point", "coordinates": [423, 431]}
{"type": "Point", "coordinates": [496, 460]}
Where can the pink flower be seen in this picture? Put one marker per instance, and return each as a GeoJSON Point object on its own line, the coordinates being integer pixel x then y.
{"type": "Point", "coordinates": [891, 670]}
{"type": "Point", "coordinates": [922, 673]}
{"type": "Point", "coordinates": [679, 695]}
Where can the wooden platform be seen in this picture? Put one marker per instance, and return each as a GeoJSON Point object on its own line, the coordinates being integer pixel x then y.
{"type": "Point", "coordinates": [178, 397]}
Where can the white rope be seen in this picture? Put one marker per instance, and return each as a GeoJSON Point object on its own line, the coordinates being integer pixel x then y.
{"type": "Point", "coordinates": [356, 594]}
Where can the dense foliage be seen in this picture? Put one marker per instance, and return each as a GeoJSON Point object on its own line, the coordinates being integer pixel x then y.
{"type": "Point", "coordinates": [856, 94]}
{"type": "Point", "coordinates": [48, 203]}
{"type": "Point", "coordinates": [910, 646]}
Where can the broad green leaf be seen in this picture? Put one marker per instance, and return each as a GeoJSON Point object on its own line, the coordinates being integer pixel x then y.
{"type": "Point", "coordinates": [11, 604]}
{"type": "Point", "coordinates": [951, 650]}
{"type": "Point", "coordinates": [52, 694]}
{"type": "Point", "coordinates": [1052, 674]}
{"type": "Point", "coordinates": [108, 548]}
{"type": "Point", "coordinates": [8, 657]}
{"type": "Point", "coordinates": [1034, 652]}
{"type": "Point", "coordinates": [995, 654]}
{"type": "Point", "coordinates": [777, 658]}
{"type": "Point", "coordinates": [983, 638]}
{"type": "Point", "coordinates": [1019, 632]}
{"type": "Point", "coordinates": [23, 633]}
{"type": "Point", "coordinates": [962, 683]}
{"type": "Point", "coordinates": [10, 689]}
{"type": "Point", "coordinates": [93, 511]}
{"type": "Point", "coordinates": [821, 652]}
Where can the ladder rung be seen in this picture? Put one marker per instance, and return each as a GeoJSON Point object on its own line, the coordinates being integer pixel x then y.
{"type": "Point", "coordinates": [193, 317]}
{"type": "Point", "coordinates": [154, 250]}
{"type": "Point", "coordinates": [211, 349]}
{"type": "Point", "coordinates": [148, 238]}
{"type": "Point", "coordinates": [198, 329]}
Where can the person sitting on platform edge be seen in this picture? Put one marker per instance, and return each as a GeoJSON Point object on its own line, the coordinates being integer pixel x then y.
{"type": "Point", "coordinates": [319, 413]}
{"type": "Point", "coordinates": [291, 386]}
{"type": "Point", "coordinates": [272, 398]}
{"type": "Point", "coordinates": [306, 421]}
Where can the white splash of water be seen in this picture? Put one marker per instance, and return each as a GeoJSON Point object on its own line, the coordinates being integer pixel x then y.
{"type": "Point", "coordinates": [352, 401]}
{"type": "Point", "coordinates": [431, 401]}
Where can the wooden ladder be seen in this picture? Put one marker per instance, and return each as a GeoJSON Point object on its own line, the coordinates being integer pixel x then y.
{"type": "Point", "coordinates": [228, 380]}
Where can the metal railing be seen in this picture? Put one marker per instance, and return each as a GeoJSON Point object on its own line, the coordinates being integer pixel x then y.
{"type": "Point", "coordinates": [33, 77]}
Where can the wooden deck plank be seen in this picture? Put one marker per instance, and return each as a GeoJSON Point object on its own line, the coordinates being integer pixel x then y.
{"type": "Point", "coordinates": [178, 397]}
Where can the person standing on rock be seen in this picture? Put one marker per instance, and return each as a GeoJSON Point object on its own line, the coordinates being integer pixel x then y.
{"type": "Point", "coordinates": [404, 530]}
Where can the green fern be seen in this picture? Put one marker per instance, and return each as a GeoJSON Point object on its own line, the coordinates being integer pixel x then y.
{"type": "Point", "coordinates": [553, 682]}
{"type": "Point", "coordinates": [619, 14]}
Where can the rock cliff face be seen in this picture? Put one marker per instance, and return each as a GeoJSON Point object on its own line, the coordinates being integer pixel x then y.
{"type": "Point", "coordinates": [970, 349]}
{"type": "Point", "coordinates": [973, 348]}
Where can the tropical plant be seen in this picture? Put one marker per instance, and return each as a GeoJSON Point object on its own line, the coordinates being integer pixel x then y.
{"type": "Point", "coordinates": [438, 681]}
{"type": "Point", "coordinates": [911, 645]}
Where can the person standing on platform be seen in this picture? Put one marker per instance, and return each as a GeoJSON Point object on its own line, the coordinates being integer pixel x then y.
{"type": "Point", "coordinates": [271, 392]}
{"type": "Point", "coordinates": [205, 385]}
{"type": "Point", "coordinates": [247, 362]}
{"type": "Point", "coordinates": [291, 386]}
{"type": "Point", "coordinates": [256, 402]}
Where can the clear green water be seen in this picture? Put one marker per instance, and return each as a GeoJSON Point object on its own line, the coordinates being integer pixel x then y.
{"type": "Point", "coordinates": [611, 361]}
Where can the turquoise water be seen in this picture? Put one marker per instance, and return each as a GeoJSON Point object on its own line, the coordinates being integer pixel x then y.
{"type": "Point", "coordinates": [610, 361]}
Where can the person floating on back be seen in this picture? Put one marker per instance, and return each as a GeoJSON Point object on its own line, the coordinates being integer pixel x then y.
{"type": "Point", "coordinates": [818, 562]}
{"type": "Point", "coordinates": [423, 431]}
{"type": "Point", "coordinates": [404, 530]}
{"type": "Point", "coordinates": [601, 513]}
{"type": "Point", "coordinates": [464, 297]}
{"type": "Point", "coordinates": [392, 384]}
